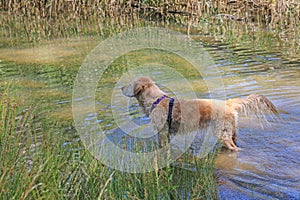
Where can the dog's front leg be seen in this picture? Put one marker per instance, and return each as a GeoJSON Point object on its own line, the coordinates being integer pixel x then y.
{"type": "Point", "coordinates": [159, 122]}
{"type": "Point", "coordinates": [163, 138]}
{"type": "Point", "coordinates": [164, 143]}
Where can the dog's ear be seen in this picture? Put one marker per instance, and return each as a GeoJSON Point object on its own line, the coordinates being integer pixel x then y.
{"type": "Point", "coordinates": [137, 89]}
{"type": "Point", "coordinates": [141, 85]}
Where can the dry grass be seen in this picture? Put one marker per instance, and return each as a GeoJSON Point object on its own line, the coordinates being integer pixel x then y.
{"type": "Point", "coordinates": [34, 20]}
{"type": "Point", "coordinates": [271, 12]}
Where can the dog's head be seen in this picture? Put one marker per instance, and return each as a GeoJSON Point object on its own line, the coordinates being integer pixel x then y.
{"type": "Point", "coordinates": [138, 86]}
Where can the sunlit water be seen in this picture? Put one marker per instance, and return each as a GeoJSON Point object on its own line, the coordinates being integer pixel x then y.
{"type": "Point", "coordinates": [268, 165]}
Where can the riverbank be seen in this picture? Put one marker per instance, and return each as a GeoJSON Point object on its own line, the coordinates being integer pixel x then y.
{"type": "Point", "coordinates": [32, 21]}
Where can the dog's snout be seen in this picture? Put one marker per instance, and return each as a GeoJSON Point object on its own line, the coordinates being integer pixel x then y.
{"type": "Point", "coordinates": [127, 91]}
{"type": "Point", "coordinates": [123, 89]}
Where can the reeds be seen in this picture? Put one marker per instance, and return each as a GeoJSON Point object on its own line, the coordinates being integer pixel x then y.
{"type": "Point", "coordinates": [35, 20]}
{"type": "Point", "coordinates": [40, 160]}
{"type": "Point", "coordinates": [268, 12]}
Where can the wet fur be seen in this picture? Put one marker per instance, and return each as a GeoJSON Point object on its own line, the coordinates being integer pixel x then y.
{"type": "Point", "coordinates": [194, 114]}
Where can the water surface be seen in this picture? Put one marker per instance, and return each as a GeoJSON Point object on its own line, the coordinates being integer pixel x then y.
{"type": "Point", "coordinates": [268, 165]}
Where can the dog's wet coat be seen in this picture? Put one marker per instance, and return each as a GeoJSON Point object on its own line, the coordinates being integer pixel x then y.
{"type": "Point", "coordinates": [194, 114]}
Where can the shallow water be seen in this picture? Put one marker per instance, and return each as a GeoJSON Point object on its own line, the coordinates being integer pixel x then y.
{"type": "Point", "coordinates": [267, 167]}
{"type": "Point", "coordinates": [269, 162]}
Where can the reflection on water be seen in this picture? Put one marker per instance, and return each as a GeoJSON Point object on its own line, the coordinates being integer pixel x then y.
{"type": "Point", "coordinates": [268, 165]}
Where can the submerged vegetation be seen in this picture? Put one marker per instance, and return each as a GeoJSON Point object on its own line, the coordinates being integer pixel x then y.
{"type": "Point", "coordinates": [42, 155]}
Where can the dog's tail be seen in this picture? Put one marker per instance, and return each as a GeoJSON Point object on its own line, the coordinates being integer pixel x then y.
{"type": "Point", "coordinates": [256, 104]}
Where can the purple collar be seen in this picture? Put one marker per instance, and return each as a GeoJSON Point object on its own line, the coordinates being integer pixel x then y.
{"type": "Point", "coordinates": [157, 102]}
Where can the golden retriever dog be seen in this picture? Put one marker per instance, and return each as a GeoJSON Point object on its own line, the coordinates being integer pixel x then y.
{"type": "Point", "coordinates": [183, 115]}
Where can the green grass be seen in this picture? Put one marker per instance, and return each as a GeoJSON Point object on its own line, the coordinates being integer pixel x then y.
{"type": "Point", "coordinates": [42, 158]}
